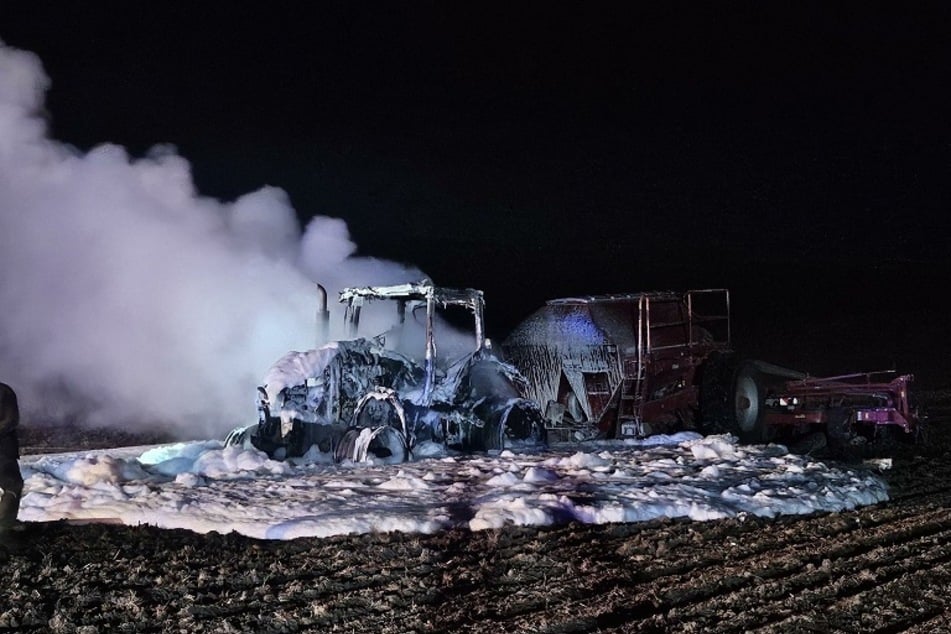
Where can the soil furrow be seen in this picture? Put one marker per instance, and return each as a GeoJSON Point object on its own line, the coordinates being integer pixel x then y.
{"type": "Point", "coordinates": [693, 587]}
{"type": "Point", "coordinates": [844, 579]}
{"type": "Point", "coordinates": [884, 568]}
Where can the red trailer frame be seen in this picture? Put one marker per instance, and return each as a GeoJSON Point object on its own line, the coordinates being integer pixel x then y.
{"type": "Point", "coordinates": [868, 398]}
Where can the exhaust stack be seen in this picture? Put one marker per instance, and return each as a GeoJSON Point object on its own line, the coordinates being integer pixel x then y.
{"type": "Point", "coordinates": [323, 317]}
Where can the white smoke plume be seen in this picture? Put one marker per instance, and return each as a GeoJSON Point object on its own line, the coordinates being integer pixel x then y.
{"type": "Point", "coordinates": [130, 299]}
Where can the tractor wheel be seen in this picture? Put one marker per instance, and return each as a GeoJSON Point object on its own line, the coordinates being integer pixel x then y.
{"type": "Point", "coordinates": [378, 431]}
{"type": "Point", "coordinates": [240, 437]}
{"type": "Point", "coordinates": [514, 424]}
{"type": "Point", "coordinates": [382, 444]}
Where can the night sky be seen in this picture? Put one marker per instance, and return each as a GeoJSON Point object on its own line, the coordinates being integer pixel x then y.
{"type": "Point", "coordinates": [798, 157]}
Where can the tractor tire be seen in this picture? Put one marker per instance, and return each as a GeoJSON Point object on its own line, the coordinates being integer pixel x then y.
{"type": "Point", "coordinates": [507, 425]}
{"type": "Point", "coordinates": [377, 432]}
{"type": "Point", "coordinates": [383, 444]}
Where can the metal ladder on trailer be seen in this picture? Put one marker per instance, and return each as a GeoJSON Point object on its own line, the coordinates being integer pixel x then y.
{"type": "Point", "coordinates": [632, 386]}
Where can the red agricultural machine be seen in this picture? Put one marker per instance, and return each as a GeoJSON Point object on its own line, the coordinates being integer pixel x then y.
{"type": "Point", "coordinates": [635, 364]}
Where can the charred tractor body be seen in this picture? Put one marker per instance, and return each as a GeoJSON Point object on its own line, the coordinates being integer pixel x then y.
{"type": "Point", "coordinates": [641, 363]}
{"type": "Point", "coordinates": [367, 399]}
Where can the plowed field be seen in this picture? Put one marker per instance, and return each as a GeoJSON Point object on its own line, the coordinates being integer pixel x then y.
{"type": "Point", "coordinates": [884, 568]}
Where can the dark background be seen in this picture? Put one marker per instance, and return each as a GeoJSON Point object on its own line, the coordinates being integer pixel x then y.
{"type": "Point", "coordinates": [799, 157]}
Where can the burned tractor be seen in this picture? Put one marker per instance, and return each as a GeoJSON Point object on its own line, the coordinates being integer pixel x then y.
{"type": "Point", "coordinates": [381, 399]}
{"type": "Point", "coordinates": [630, 365]}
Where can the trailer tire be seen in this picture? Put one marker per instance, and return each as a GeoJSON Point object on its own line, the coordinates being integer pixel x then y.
{"type": "Point", "coordinates": [716, 394]}
{"type": "Point", "coordinates": [749, 393]}
{"type": "Point", "coordinates": [839, 433]}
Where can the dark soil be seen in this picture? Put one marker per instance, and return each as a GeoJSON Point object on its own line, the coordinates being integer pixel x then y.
{"type": "Point", "coordinates": [884, 568]}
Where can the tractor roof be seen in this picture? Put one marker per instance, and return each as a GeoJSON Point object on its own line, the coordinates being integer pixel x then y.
{"type": "Point", "coordinates": [419, 291]}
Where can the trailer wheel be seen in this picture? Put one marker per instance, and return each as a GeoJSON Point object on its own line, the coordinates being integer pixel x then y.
{"type": "Point", "coordinates": [716, 390]}
{"type": "Point", "coordinates": [748, 405]}
{"type": "Point", "coordinates": [839, 433]}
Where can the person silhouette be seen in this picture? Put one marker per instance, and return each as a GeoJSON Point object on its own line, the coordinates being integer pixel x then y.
{"type": "Point", "coordinates": [11, 482]}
